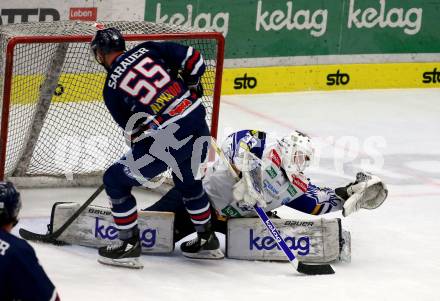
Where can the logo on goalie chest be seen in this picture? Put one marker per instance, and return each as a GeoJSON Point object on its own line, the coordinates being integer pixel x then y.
{"type": "Point", "coordinates": [271, 172]}
{"type": "Point", "coordinates": [300, 184]}
{"type": "Point", "coordinates": [276, 159]}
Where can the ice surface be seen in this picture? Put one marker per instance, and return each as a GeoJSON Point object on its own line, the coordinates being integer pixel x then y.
{"type": "Point", "coordinates": [395, 249]}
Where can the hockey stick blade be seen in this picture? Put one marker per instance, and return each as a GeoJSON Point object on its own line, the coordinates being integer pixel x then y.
{"type": "Point", "coordinates": [46, 238]}
{"type": "Point", "coordinates": [52, 237]}
{"type": "Point", "coordinates": [315, 269]}
{"type": "Point", "coordinates": [322, 269]}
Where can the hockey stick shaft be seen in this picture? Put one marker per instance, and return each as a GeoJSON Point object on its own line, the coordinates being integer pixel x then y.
{"type": "Point", "coordinates": [300, 267]}
{"type": "Point", "coordinates": [52, 237]}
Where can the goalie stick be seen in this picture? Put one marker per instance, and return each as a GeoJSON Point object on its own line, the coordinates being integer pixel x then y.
{"type": "Point", "coordinates": [308, 269]}
{"type": "Point", "coordinates": [51, 237]}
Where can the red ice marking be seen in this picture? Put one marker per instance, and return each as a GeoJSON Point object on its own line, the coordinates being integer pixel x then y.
{"type": "Point", "coordinates": [279, 122]}
{"type": "Point", "coordinates": [415, 194]}
{"type": "Point", "coordinates": [290, 126]}
{"type": "Point", "coordinates": [261, 115]}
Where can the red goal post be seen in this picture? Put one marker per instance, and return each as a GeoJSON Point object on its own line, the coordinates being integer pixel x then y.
{"type": "Point", "coordinates": [49, 95]}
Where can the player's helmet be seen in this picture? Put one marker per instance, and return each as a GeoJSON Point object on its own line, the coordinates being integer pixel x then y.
{"type": "Point", "coordinates": [10, 203]}
{"type": "Point", "coordinates": [107, 40]}
{"type": "Point", "coordinates": [296, 153]}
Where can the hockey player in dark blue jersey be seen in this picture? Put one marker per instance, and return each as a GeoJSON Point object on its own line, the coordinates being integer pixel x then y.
{"type": "Point", "coordinates": [21, 276]}
{"type": "Point", "coordinates": [153, 92]}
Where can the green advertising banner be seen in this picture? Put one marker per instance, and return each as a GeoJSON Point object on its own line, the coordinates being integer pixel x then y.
{"type": "Point", "coordinates": [276, 28]}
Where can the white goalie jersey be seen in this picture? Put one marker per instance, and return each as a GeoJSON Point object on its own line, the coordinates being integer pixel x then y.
{"type": "Point", "coordinates": [299, 194]}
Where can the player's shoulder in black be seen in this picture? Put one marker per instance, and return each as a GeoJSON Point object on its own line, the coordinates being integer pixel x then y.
{"type": "Point", "coordinates": [12, 246]}
{"type": "Point", "coordinates": [149, 45]}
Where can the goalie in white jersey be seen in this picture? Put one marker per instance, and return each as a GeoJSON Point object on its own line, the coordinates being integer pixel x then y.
{"type": "Point", "coordinates": [280, 172]}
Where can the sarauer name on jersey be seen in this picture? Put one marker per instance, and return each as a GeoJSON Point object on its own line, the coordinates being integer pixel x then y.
{"type": "Point", "coordinates": [117, 73]}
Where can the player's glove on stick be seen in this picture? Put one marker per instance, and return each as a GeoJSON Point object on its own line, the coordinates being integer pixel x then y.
{"type": "Point", "coordinates": [197, 89]}
{"type": "Point", "coordinates": [194, 85]}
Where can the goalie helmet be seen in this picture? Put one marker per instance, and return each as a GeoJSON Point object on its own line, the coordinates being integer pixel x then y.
{"type": "Point", "coordinates": [296, 153]}
{"type": "Point", "coordinates": [10, 204]}
{"type": "Point", "coordinates": [107, 40]}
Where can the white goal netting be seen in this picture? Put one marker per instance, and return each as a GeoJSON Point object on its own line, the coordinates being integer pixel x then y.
{"type": "Point", "coordinates": [54, 122]}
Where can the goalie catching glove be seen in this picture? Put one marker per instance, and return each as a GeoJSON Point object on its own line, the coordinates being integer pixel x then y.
{"type": "Point", "coordinates": [368, 192]}
{"type": "Point", "coordinates": [244, 197]}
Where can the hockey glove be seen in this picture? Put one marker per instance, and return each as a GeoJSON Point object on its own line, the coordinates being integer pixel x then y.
{"type": "Point", "coordinates": [197, 89]}
{"type": "Point", "coordinates": [193, 84]}
{"type": "Point", "coordinates": [368, 192]}
{"type": "Point", "coordinates": [244, 197]}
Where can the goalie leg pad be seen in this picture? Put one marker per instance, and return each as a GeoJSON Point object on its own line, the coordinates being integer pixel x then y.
{"type": "Point", "coordinates": [313, 241]}
{"type": "Point", "coordinates": [95, 227]}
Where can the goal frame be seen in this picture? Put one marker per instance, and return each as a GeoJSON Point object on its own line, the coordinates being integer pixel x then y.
{"type": "Point", "coordinates": [9, 55]}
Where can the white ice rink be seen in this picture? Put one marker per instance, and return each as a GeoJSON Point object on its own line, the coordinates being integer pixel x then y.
{"type": "Point", "coordinates": [395, 249]}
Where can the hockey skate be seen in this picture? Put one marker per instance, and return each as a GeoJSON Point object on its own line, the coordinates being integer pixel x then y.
{"type": "Point", "coordinates": [204, 246]}
{"type": "Point", "coordinates": [124, 254]}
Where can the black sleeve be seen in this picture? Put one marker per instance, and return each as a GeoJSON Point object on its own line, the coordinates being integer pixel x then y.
{"type": "Point", "coordinates": [28, 279]}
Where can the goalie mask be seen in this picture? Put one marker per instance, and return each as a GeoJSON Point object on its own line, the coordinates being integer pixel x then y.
{"type": "Point", "coordinates": [296, 153]}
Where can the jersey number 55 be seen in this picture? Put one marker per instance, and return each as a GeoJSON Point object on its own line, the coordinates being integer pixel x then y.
{"type": "Point", "coordinates": [145, 80]}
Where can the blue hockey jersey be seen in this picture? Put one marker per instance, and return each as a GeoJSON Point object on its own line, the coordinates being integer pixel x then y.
{"type": "Point", "coordinates": [21, 276]}
{"type": "Point", "coordinates": [153, 78]}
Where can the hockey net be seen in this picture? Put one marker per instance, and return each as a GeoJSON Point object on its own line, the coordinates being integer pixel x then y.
{"type": "Point", "coordinates": [55, 129]}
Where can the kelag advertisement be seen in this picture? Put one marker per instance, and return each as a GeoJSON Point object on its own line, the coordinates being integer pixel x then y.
{"type": "Point", "coordinates": [302, 27]}
{"type": "Point", "coordinates": [303, 44]}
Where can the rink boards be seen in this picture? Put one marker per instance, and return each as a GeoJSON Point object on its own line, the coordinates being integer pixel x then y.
{"type": "Point", "coordinates": [331, 77]}
{"type": "Point", "coordinates": [255, 80]}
